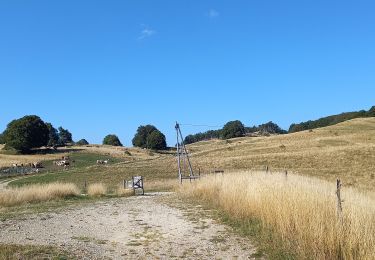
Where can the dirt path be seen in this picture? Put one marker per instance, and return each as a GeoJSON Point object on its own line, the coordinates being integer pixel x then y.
{"type": "Point", "coordinates": [4, 183]}
{"type": "Point", "coordinates": [143, 227]}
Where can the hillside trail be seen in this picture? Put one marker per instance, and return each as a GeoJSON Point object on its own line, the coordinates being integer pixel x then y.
{"type": "Point", "coordinates": [4, 183]}
{"type": "Point", "coordinates": [154, 226]}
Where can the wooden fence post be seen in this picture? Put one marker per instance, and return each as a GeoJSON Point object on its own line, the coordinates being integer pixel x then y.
{"type": "Point", "coordinates": [286, 174]}
{"type": "Point", "coordinates": [339, 201]}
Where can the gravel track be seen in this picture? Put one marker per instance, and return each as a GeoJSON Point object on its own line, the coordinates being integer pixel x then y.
{"type": "Point", "coordinates": [155, 226]}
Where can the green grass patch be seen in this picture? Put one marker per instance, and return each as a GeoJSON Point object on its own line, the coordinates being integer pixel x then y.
{"type": "Point", "coordinates": [85, 171]}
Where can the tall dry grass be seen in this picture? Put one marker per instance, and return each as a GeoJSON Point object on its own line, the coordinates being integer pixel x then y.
{"type": "Point", "coordinates": [96, 189]}
{"type": "Point", "coordinates": [37, 193]}
{"type": "Point", "coordinates": [300, 210]}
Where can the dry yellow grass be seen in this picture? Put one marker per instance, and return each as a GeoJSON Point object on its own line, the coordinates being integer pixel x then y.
{"type": "Point", "coordinates": [301, 210]}
{"type": "Point", "coordinates": [37, 193]}
{"type": "Point", "coordinates": [97, 189]}
{"type": "Point", "coordinates": [346, 150]}
{"type": "Point", "coordinates": [115, 151]}
{"type": "Point", "coordinates": [123, 192]}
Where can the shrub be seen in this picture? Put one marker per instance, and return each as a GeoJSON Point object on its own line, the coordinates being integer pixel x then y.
{"type": "Point", "coordinates": [233, 129]}
{"type": "Point", "coordinates": [96, 189]}
{"type": "Point", "coordinates": [112, 140]}
{"type": "Point", "coordinates": [26, 133]}
{"type": "Point", "coordinates": [82, 142]}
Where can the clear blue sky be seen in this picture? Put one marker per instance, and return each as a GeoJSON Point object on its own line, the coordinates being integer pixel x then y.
{"type": "Point", "coordinates": [100, 67]}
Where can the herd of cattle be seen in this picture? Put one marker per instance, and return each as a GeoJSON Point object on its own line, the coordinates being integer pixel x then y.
{"type": "Point", "coordinates": [35, 167]}
{"type": "Point", "coordinates": [64, 162]}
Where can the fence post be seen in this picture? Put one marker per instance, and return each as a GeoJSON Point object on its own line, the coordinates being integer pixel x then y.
{"type": "Point", "coordinates": [85, 186]}
{"type": "Point", "coordinates": [266, 168]}
{"type": "Point", "coordinates": [133, 184]}
{"type": "Point", "coordinates": [339, 201]}
{"type": "Point", "coordinates": [286, 174]}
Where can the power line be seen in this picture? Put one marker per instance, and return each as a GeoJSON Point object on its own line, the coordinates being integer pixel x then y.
{"type": "Point", "coordinates": [215, 126]}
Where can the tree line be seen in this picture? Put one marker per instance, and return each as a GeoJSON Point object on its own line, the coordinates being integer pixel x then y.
{"type": "Point", "coordinates": [331, 120]}
{"type": "Point", "coordinates": [234, 129]}
{"type": "Point", "coordinates": [30, 132]}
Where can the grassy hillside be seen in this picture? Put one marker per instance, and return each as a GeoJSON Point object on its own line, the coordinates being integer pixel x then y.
{"type": "Point", "coordinates": [345, 150]}
{"type": "Point", "coordinates": [124, 163]}
{"type": "Point", "coordinates": [331, 120]}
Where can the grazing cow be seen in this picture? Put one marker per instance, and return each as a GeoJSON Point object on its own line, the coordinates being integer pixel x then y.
{"type": "Point", "coordinates": [99, 161]}
{"type": "Point", "coordinates": [62, 163]}
{"type": "Point", "coordinates": [36, 165]}
{"type": "Point", "coordinates": [102, 161]}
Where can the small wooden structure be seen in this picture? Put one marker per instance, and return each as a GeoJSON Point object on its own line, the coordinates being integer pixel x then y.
{"type": "Point", "coordinates": [136, 183]}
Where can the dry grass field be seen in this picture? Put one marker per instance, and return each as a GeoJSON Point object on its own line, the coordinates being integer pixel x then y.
{"type": "Point", "coordinates": [300, 210]}
{"type": "Point", "coordinates": [37, 193]}
{"type": "Point", "coordinates": [345, 151]}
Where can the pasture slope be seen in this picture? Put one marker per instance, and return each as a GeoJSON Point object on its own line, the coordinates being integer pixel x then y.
{"type": "Point", "coordinates": [345, 151]}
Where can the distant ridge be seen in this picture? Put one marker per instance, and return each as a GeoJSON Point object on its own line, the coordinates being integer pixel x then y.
{"type": "Point", "coordinates": [331, 120]}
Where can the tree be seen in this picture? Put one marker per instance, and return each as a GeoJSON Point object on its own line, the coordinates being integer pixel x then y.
{"type": "Point", "coordinates": [112, 140]}
{"type": "Point", "coordinates": [156, 141]}
{"type": "Point", "coordinates": [371, 112]}
{"type": "Point", "coordinates": [233, 129]}
{"type": "Point", "coordinates": [271, 128]}
{"type": "Point", "coordinates": [65, 136]}
{"type": "Point", "coordinates": [140, 138]}
{"type": "Point", "coordinates": [82, 142]}
{"type": "Point", "coordinates": [2, 140]}
{"type": "Point", "coordinates": [26, 133]}
{"type": "Point", "coordinates": [53, 136]}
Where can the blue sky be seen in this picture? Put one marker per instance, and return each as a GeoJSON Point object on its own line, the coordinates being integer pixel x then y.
{"type": "Point", "coordinates": [100, 67]}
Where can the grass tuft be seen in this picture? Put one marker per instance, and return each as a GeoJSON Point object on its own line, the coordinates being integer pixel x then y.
{"type": "Point", "coordinates": [37, 193]}
{"type": "Point", "coordinates": [97, 190]}
{"type": "Point", "coordinates": [123, 192]}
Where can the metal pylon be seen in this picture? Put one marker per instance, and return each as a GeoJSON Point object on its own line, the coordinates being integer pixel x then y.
{"type": "Point", "coordinates": [183, 160]}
